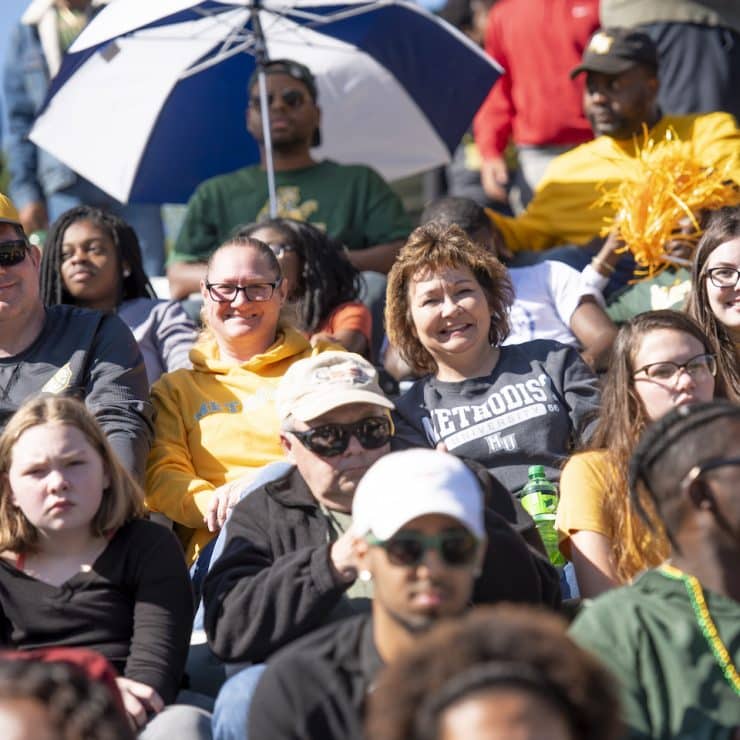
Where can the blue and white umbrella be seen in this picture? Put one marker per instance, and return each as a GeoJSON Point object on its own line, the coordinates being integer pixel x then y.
{"type": "Point", "coordinates": [150, 100]}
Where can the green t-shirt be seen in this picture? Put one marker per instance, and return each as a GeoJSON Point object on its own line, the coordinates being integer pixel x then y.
{"type": "Point", "coordinates": [669, 289]}
{"type": "Point", "coordinates": [648, 636]}
{"type": "Point", "coordinates": [351, 202]}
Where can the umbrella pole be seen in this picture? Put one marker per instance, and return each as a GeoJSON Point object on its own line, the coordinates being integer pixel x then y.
{"type": "Point", "coordinates": [260, 54]}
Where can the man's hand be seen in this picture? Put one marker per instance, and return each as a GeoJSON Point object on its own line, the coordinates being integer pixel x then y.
{"type": "Point", "coordinates": [34, 217]}
{"type": "Point", "coordinates": [224, 499]}
{"type": "Point", "coordinates": [494, 177]}
{"type": "Point", "coordinates": [342, 557]}
{"type": "Point", "coordinates": [139, 700]}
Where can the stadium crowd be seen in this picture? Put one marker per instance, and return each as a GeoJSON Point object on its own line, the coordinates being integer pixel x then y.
{"type": "Point", "coordinates": [303, 508]}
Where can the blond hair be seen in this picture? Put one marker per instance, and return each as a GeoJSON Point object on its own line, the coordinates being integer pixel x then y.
{"type": "Point", "coordinates": [122, 501]}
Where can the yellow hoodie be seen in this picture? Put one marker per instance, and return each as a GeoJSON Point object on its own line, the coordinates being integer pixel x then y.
{"type": "Point", "coordinates": [214, 424]}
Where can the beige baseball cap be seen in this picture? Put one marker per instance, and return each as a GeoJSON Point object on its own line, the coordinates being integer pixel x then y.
{"type": "Point", "coordinates": [318, 384]}
{"type": "Point", "coordinates": [8, 212]}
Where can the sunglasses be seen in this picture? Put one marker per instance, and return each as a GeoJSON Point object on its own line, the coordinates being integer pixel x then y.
{"type": "Point", "coordinates": [456, 547]}
{"type": "Point", "coordinates": [330, 440]}
{"type": "Point", "coordinates": [291, 99]}
{"type": "Point", "coordinates": [280, 250]}
{"type": "Point", "coordinates": [13, 252]}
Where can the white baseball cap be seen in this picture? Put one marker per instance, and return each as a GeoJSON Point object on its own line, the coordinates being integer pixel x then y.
{"type": "Point", "coordinates": [318, 384]}
{"type": "Point", "coordinates": [404, 485]}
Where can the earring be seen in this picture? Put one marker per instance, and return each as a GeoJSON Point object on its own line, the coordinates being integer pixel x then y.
{"type": "Point", "coordinates": [365, 575]}
{"type": "Point", "coordinates": [126, 272]}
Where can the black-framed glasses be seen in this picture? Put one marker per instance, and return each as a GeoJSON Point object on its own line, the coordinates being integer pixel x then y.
{"type": "Point", "coordinates": [723, 277]}
{"type": "Point", "coordinates": [456, 547]}
{"type": "Point", "coordinates": [291, 99]}
{"type": "Point", "coordinates": [697, 367]}
{"type": "Point", "coordinates": [254, 292]}
{"type": "Point", "coordinates": [280, 250]}
{"type": "Point", "coordinates": [13, 252]}
{"type": "Point", "coordinates": [330, 440]}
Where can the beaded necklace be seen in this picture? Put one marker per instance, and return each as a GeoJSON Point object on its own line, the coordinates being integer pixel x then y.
{"type": "Point", "coordinates": [706, 624]}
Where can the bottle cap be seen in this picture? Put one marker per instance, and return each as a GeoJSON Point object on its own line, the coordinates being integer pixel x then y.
{"type": "Point", "coordinates": [536, 471]}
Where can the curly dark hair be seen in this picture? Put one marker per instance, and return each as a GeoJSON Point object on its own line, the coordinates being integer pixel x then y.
{"type": "Point", "coordinates": [133, 285]}
{"type": "Point", "coordinates": [721, 226]}
{"type": "Point", "coordinates": [77, 707]}
{"type": "Point", "coordinates": [502, 646]}
{"type": "Point", "coordinates": [327, 278]}
{"type": "Point", "coordinates": [430, 247]}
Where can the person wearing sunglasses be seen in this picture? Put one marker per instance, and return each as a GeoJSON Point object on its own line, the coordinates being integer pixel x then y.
{"type": "Point", "coordinates": [67, 350]}
{"type": "Point", "coordinates": [714, 300]}
{"type": "Point", "coordinates": [216, 425]}
{"type": "Point", "coordinates": [661, 360]}
{"type": "Point", "coordinates": [672, 637]}
{"type": "Point", "coordinates": [427, 546]}
{"type": "Point", "coordinates": [322, 283]}
{"type": "Point", "coordinates": [352, 203]}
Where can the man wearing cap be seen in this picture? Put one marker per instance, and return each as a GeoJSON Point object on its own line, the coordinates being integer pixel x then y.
{"type": "Point", "coordinates": [352, 202]}
{"type": "Point", "coordinates": [288, 565]}
{"type": "Point", "coordinates": [621, 68]}
{"type": "Point", "coordinates": [67, 350]}
{"type": "Point", "coordinates": [426, 544]}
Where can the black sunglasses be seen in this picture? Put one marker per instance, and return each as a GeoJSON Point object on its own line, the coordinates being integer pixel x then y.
{"type": "Point", "coordinates": [456, 547]}
{"type": "Point", "coordinates": [13, 252]}
{"type": "Point", "coordinates": [330, 440]}
{"type": "Point", "coordinates": [291, 99]}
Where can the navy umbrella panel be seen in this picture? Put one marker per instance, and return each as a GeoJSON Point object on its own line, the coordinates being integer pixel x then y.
{"type": "Point", "coordinates": [398, 88]}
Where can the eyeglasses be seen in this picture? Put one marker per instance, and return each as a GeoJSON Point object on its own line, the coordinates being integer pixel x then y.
{"type": "Point", "coordinates": [456, 547]}
{"type": "Point", "coordinates": [291, 99]}
{"type": "Point", "coordinates": [669, 372]}
{"type": "Point", "coordinates": [723, 277]}
{"type": "Point", "coordinates": [330, 440]}
{"type": "Point", "coordinates": [279, 250]}
{"type": "Point", "coordinates": [13, 252]}
{"type": "Point", "coordinates": [255, 292]}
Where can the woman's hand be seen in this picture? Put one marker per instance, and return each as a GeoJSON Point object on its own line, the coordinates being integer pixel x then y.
{"type": "Point", "coordinates": [224, 499]}
{"type": "Point", "coordinates": [139, 700]}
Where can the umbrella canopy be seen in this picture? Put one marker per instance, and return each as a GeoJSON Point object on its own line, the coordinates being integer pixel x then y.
{"type": "Point", "coordinates": [151, 99]}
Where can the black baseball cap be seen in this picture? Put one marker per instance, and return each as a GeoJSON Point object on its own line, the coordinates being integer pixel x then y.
{"type": "Point", "coordinates": [297, 71]}
{"type": "Point", "coordinates": [612, 51]}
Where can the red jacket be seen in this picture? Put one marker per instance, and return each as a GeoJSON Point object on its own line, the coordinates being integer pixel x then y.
{"type": "Point", "coordinates": [537, 42]}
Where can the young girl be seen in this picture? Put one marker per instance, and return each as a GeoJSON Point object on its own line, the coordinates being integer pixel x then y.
{"type": "Point", "coordinates": [79, 567]}
{"type": "Point", "coordinates": [714, 301]}
{"type": "Point", "coordinates": [92, 259]}
{"type": "Point", "coordinates": [660, 360]}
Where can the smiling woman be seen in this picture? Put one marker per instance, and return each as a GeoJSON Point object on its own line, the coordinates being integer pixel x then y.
{"type": "Point", "coordinates": [714, 301]}
{"type": "Point", "coordinates": [507, 407]}
{"type": "Point", "coordinates": [216, 424]}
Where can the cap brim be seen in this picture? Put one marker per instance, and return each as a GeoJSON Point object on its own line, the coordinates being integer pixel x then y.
{"type": "Point", "coordinates": [607, 66]}
{"type": "Point", "coordinates": [320, 404]}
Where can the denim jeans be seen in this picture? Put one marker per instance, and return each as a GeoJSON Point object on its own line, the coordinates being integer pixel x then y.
{"type": "Point", "coordinates": [231, 713]}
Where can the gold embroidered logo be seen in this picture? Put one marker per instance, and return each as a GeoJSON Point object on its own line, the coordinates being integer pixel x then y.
{"type": "Point", "coordinates": [600, 43]}
{"type": "Point", "coordinates": [289, 205]}
{"type": "Point", "coordinates": [59, 381]}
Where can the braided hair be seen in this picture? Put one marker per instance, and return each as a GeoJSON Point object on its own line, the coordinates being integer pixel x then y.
{"type": "Point", "coordinates": [133, 285]}
{"type": "Point", "coordinates": [669, 449]}
{"type": "Point", "coordinates": [327, 278]}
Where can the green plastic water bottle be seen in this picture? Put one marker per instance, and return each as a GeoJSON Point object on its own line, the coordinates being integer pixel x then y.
{"type": "Point", "coordinates": [540, 499]}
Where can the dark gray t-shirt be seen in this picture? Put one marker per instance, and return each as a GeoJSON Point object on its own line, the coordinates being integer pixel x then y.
{"type": "Point", "coordinates": [538, 402]}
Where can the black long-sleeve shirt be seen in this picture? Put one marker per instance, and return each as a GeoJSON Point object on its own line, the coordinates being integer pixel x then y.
{"type": "Point", "coordinates": [135, 607]}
